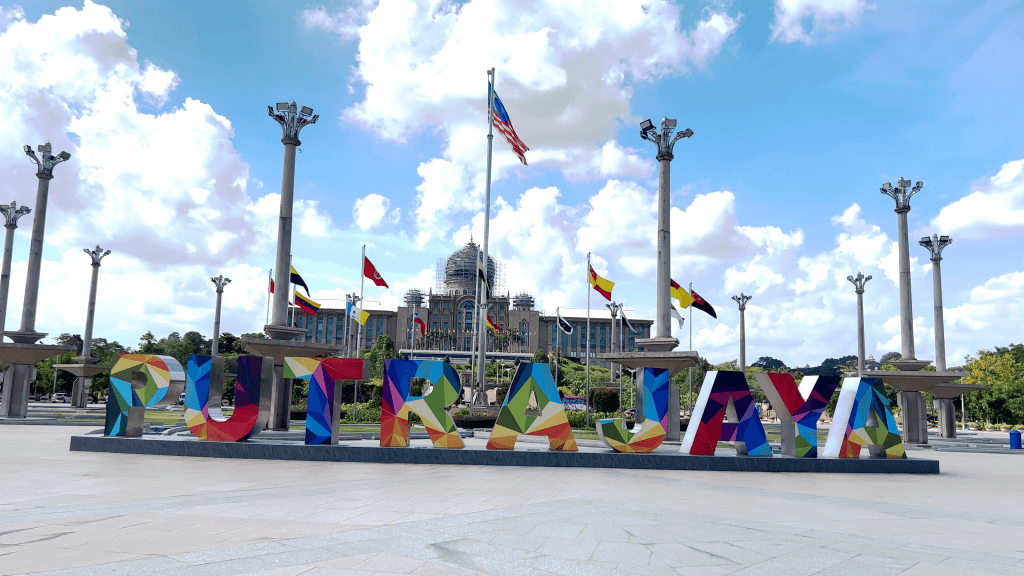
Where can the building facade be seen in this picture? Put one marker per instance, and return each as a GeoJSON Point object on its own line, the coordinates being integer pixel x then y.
{"type": "Point", "coordinates": [449, 314]}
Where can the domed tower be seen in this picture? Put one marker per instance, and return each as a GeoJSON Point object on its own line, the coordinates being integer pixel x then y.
{"type": "Point", "coordinates": [460, 270]}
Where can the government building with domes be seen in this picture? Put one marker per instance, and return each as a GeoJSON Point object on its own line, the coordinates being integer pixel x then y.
{"type": "Point", "coordinates": [448, 312]}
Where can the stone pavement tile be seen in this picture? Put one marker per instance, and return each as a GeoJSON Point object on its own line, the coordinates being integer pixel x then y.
{"type": "Point", "coordinates": [569, 548]}
{"type": "Point", "coordinates": [22, 559]}
{"type": "Point", "coordinates": [679, 554]}
{"type": "Point", "coordinates": [727, 552]}
{"type": "Point", "coordinates": [495, 550]}
{"type": "Point", "coordinates": [929, 569]}
{"type": "Point", "coordinates": [800, 562]}
{"type": "Point", "coordinates": [997, 565]}
{"type": "Point", "coordinates": [771, 547]}
{"type": "Point", "coordinates": [869, 565]}
{"type": "Point", "coordinates": [439, 569]}
{"type": "Point", "coordinates": [556, 530]}
{"type": "Point", "coordinates": [622, 553]}
{"type": "Point", "coordinates": [388, 562]}
{"type": "Point", "coordinates": [998, 541]}
{"type": "Point", "coordinates": [605, 532]}
{"type": "Point", "coordinates": [151, 565]}
{"type": "Point", "coordinates": [528, 543]}
{"type": "Point", "coordinates": [562, 566]}
{"type": "Point", "coordinates": [233, 553]}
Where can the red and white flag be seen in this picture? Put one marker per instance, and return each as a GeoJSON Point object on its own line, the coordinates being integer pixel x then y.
{"type": "Point", "coordinates": [370, 271]}
{"type": "Point", "coordinates": [504, 125]}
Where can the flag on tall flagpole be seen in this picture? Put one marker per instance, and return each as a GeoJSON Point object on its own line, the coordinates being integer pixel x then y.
{"type": "Point", "coordinates": [370, 271]}
{"type": "Point", "coordinates": [702, 304]}
{"type": "Point", "coordinates": [504, 125]}
{"type": "Point", "coordinates": [602, 285]}
{"type": "Point", "coordinates": [680, 294]}
{"type": "Point", "coordinates": [358, 314]}
{"type": "Point", "coordinates": [419, 322]}
{"type": "Point", "coordinates": [271, 274]}
{"type": "Point", "coordinates": [563, 324]}
{"type": "Point", "coordinates": [678, 316]}
{"type": "Point", "coordinates": [483, 278]}
{"type": "Point", "coordinates": [305, 304]}
{"type": "Point", "coordinates": [491, 325]}
{"type": "Point", "coordinates": [298, 281]}
{"type": "Point", "coordinates": [628, 325]}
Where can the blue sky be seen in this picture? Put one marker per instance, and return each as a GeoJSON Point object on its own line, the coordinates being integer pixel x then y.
{"type": "Point", "coordinates": [801, 109]}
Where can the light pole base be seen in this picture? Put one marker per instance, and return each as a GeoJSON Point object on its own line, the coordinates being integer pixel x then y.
{"type": "Point", "coordinates": [283, 332]}
{"type": "Point", "coordinates": [658, 344]}
{"type": "Point", "coordinates": [24, 337]}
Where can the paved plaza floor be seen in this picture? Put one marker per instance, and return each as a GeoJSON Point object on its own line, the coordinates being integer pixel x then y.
{"type": "Point", "coordinates": [65, 512]}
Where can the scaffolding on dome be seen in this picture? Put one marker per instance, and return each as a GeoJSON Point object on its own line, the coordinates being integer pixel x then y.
{"type": "Point", "coordinates": [523, 301]}
{"type": "Point", "coordinates": [457, 274]}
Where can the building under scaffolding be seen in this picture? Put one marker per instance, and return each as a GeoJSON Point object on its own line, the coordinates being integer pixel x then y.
{"type": "Point", "coordinates": [457, 273]}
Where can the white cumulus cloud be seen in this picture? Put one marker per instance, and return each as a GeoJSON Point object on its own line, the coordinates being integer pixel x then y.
{"type": "Point", "coordinates": [824, 16]}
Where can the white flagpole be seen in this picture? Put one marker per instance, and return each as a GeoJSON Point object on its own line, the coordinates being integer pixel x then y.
{"type": "Point", "coordinates": [689, 375]}
{"type": "Point", "coordinates": [482, 359]}
{"type": "Point", "coordinates": [363, 281]}
{"type": "Point", "coordinates": [588, 340]}
{"type": "Point", "coordinates": [291, 291]}
{"type": "Point", "coordinates": [476, 336]}
{"type": "Point", "coordinates": [558, 341]}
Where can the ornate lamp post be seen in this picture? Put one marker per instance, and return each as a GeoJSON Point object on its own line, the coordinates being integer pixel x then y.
{"type": "Point", "coordinates": [97, 256]}
{"type": "Point", "coordinates": [947, 416]}
{"type": "Point", "coordinates": [663, 340]}
{"type": "Point", "coordinates": [915, 424]}
{"type": "Point", "coordinates": [220, 282]}
{"type": "Point", "coordinates": [11, 215]}
{"type": "Point", "coordinates": [45, 164]}
{"type": "Point", "coordinates": [742, 300]}
{"type": "Point", "coordinates": [292, 120]}
{"type": "Point", "coordinates": [613, 307]}
{"type": "Point", "coordinates": [84, 381]}
{"type": "Point", "coordinates": [901, 194]}
{"type": "Point", "coordinates": [665, 143]}
{"type": "Point", "coordinates": [858, 285]}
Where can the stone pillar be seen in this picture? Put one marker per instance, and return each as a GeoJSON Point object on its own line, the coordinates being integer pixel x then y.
{"type": "Point", "coordinates": [858, 286]}
{"type": "Point", "coordinates": [220, 282]}
{"type": "Point", "coordinates": [947, 417]}
{"type": "Point", "coordinates": [613, 307]}
{"type": "Point", "coordinates": [742, 300]}
{"type": "Point", "coordinates": [80, 389]}
{"type": "Point", "coordinates": [45, 164]}
{"type": "Point", "coordinates": [17, 381]}
{"type": "Point", "coordinates": [292, 120]}
{"type": "Point", "coordinates": [11, 215]}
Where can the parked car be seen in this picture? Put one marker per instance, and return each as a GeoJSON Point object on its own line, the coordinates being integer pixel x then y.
{"type": "Point", "coordinates": [181, 398]}
{"type": "Point", "coordinates": [574, 403]}
{"type": "Point", "coordinates": [60, 398]}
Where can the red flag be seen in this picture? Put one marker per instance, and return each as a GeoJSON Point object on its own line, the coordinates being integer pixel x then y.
{"type": "Point", "coordinates": [271, 285]}
{"type": "Point", "coordinates": [370, 271]}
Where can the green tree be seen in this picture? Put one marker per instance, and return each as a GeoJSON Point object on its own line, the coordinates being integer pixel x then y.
{"type": "Point", "coordinates": [540, 357]}
{"type": "Point", "coordinates": [383, 349]}
{"type": "Point", "coordinates": [1003, 372]}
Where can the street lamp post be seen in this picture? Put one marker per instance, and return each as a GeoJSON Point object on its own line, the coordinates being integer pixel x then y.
{"type": "Point", "coordinates": [45, 164]}
{"type": "Point", "coordinates": [915, 425]}
{"type": "Point", "coordinates": [742, 300]}
{"type": "Point", "coordinates": [663, 340]}
{"type": "Point", "coordinates": [82, 384]}
{"type": "Point", "coordinates": [944, 406]}
{"type": "Point", "coordinates": [220, 282]}
{"type": "Point", "coordinates": [858, 286]}
{"type": "Point", "coordinates": [292, 120]}
{"type": "Point", "coordinates": [901, 194]}
{"type": "Point", "coordinates": [11, 215]}
{"type": "Point", "coordinates": [613, 307]}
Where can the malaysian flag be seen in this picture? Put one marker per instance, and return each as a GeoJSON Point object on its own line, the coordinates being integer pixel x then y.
{"type": "Point", "coordinates": [504, 125]}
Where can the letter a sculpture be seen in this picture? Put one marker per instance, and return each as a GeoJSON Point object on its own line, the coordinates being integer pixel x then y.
{"type": "Point", "coordinates": [513, 421]}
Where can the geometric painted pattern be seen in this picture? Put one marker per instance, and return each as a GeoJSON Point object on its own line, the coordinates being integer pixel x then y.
{"type": "Point", "coordinates": [646, 435]}
{"type": "Point", "coordinates": [863, 418]}
{"type": "Point", "coordinates": [725, 394]}
{"type": "Point", "coordinates": [159, 371]}
{"type": "Point", "coordinates": [324, 376]}
{"type": "Point", "coordinates": [512, 419]}
{"type": "Point", "coordinates": [801, 406]}
{"type": "Point", "coordinates": [204, 417]}
{"type": "Point", "coordinates": [397, 403]}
